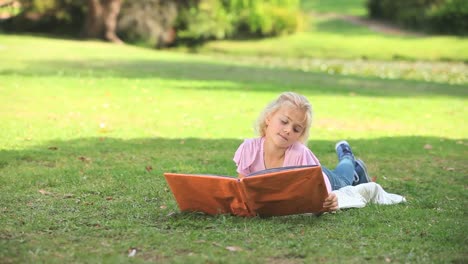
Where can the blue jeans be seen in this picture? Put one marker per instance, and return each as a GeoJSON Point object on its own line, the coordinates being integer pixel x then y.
{"type": "Point", "coordinates": [342, 175]}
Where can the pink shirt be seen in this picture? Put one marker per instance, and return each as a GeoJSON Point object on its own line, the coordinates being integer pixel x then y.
{"type": "Point", "coordinates": [249, 157]}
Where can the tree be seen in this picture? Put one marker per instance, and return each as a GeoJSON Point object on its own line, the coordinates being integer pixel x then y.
{"type": "Point", "coordinates": [149, 21]}
{"type": "Point", "coordinates": [101, 20]}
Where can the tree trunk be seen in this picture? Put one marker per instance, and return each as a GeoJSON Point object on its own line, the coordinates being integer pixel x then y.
{"type": "Point", "coordinates": [101, 20]}
{"type": "Point", "coordinates": [112, 9]}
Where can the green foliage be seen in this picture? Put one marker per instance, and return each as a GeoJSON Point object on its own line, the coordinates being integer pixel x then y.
{"type": "Point", "coordinates": [153, 21]}
{"type": "Point", "coordinates": [146, 21]}
{"type": "Point", "coordinates": [266, 18]}
{"type": "Point", "coordinates": [207, 20]}
{"type": "Point", "coordinates": [53, 16]}
{"type": "Point", "coordinates": [218, 19]}
{"type": "Point", "coordinates": [435, 16]}
{"type": "Point", "coordinates": [451, 17]}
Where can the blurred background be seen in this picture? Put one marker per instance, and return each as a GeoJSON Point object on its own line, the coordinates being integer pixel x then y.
{"type": "Point", "coordinates": [191, 23]}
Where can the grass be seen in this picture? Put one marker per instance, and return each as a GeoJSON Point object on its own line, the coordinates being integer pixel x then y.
{"type": "Point", "coordinates": [348, 43]}
{"type": "Point", "coordinates": [330, 37]}
{"type": "Point", "coordinates": [88, 128]}
{"type": "Point", "coordinates": [349, 7]}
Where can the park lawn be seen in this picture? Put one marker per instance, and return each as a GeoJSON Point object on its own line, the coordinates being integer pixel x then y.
{"type": "Point", "coordinates": [334, 39]}
{"type": "Point", "coordinates": [88, 128]}
{"type": "Point", "coordinates": [347, 7]}
{"type": "Point", "coordinates": [326, 36]}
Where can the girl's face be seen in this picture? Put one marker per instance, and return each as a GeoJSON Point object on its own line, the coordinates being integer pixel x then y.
{"type": "Point", "coordinates": [285, 126]}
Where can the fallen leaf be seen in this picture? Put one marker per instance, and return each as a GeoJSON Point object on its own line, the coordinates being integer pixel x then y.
{"type": "Point", "coordinates": [233, 248]}
{"type": "Point", "coordinates": [427, 146]}
{"type": "Point", "coordinates": [108, 198]}
{"type": "Point", "coordinates": [68, 195]}
{"type": "Point", "coordinates": [132, 252]}
{"type": "Point", "coordinates": [52, 148]}
{"type": "Point", "coordinates": [149, 168]}
{"type": "Point", "coordinates": [84, 159]}
{"type": "Point", "coordinates": [44, 192]}
{"type": "Point", "coordinates": [374, 178]}
{"type": "Point", "coordinates": [162, 207]}
{"type": "Point", "coordinates": [450, 169]}
{"type": "Point", "coordinates": [171, 214]}
{"type": "Point", "coordinates": [388, 260]}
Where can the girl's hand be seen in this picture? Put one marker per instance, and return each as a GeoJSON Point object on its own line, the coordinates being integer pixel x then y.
{"type": "Point", "coordinates": [331, 202]}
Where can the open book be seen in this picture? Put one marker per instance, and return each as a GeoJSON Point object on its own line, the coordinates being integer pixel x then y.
{"type": "Point", "coordinates": [273, 192]}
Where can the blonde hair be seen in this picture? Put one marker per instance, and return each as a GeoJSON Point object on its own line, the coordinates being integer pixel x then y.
{"type": "Point", "coordinates": [287, 98]}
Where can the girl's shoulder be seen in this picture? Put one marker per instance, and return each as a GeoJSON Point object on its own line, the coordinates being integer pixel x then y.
{"type": "Point", "coordinates": [253, 142]}
{"type": "Point", "coordinates": [299, 147]}
{"type": "Point", "coordinates": [302, 155]}
{"type": "Point", "coordinates": [247, 156]}
{"type": "Point", "coordinates": [250, 145]}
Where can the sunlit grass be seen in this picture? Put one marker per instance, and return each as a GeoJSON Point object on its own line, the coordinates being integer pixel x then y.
{"type": "Point", "coordinates": [349, 7]}
{"type": "Point", "coordinates": [374, 46]}
{"type": "Point", "coordinates": [88, 128]}
{"type": "Point", "coordinates": [331, 37]}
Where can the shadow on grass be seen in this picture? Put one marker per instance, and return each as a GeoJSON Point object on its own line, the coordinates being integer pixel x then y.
{"type": "Point", "coordinates": [398, 162]}
{"type": "Point", "coordinates": [340, 27]}
{"type": "Point", "coordinates": [101, 189]}
{"type": "Point", "coordinates": [252, 78]}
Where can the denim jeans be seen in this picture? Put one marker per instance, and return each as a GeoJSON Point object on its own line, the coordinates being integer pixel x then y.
{"type": "Point", "coordinates": [342, 175]}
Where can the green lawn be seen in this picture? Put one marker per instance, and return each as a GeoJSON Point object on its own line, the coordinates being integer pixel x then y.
{"type": "Point", "coordinates": [349, 7]}
{"type": "Point", "coordinates": [350, 42]}
{"type": "Point", "coordinates": [329, 37]}
{"type": "Point", "coordinates": [88, 128]}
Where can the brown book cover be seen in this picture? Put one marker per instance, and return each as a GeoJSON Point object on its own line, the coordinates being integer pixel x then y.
{"type": "Point", "coordinates": [273, 192]}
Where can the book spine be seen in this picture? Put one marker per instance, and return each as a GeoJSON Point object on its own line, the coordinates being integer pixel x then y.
{"type": "Point", "coordinates": [244, 198]}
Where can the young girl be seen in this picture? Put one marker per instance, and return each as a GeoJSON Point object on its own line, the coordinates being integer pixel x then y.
{"type": "Point", "coordinates": [284, 127]}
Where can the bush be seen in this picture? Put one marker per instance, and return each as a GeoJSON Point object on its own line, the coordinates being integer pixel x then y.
{"type": "Point", "coordinates": [265, 18]}
{"type": "Point", "coordinates": [452, 17]}
{"type": "Point", "coordinates": [157, 22]}
{"type": "Point", "coordinates": [148, 22]}
{"type": "Point", "coordinates": [206, 20]}
{"type": "Point", "coordinates": [218, 19]}
{"type": "Point", "coordinates": [434, 16]}
{"type": "Point", "coordinates": [52, 16]}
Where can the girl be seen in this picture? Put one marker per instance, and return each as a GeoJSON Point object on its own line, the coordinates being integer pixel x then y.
{"type": "Point", "coordinates": [284, 127]}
